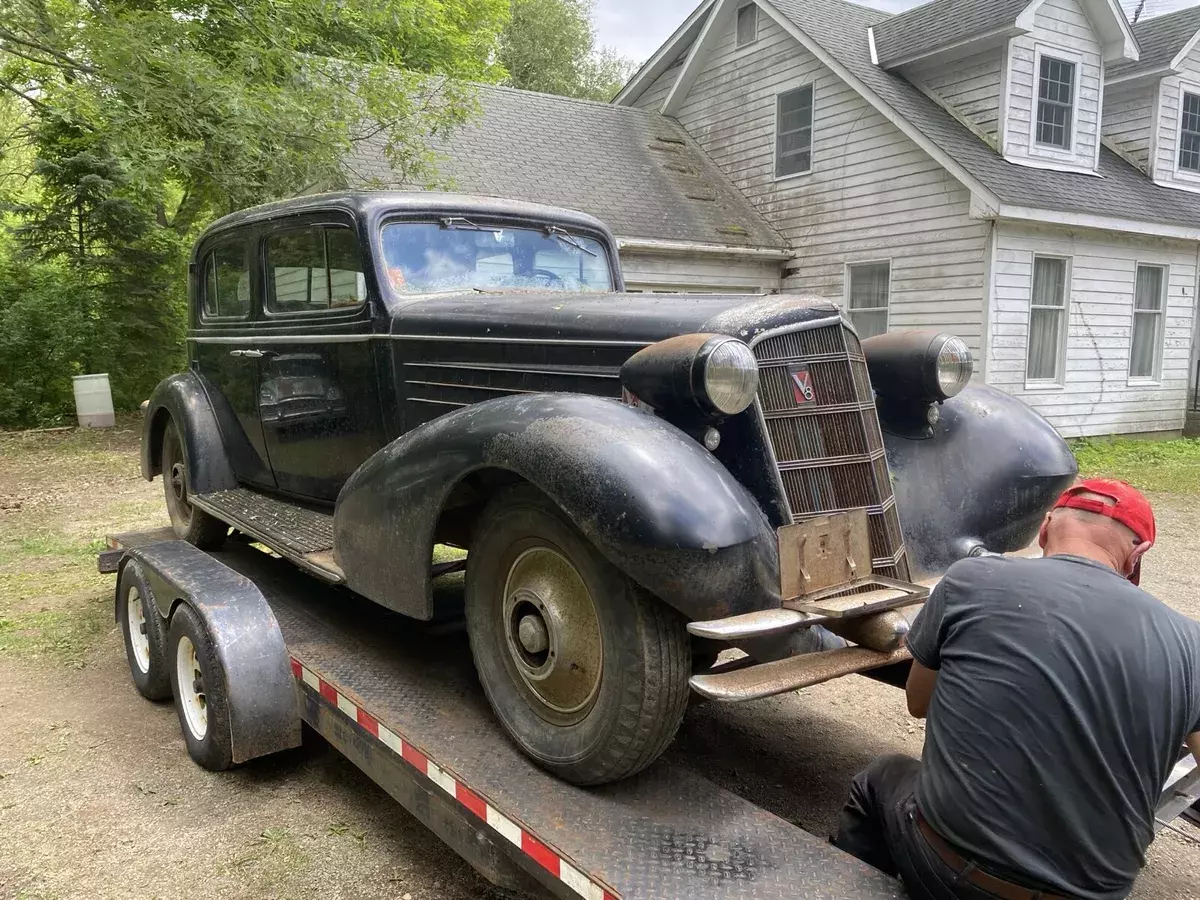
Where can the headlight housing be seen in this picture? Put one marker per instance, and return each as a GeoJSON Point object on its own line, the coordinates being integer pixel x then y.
{"type": "Point", "coordinates": [918, 366]}
{"type": "Point", "coordinates": [712, 375]}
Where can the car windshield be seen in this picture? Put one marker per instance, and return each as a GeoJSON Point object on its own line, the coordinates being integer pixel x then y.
{"type": "Point", "coordinates": [458, 254]}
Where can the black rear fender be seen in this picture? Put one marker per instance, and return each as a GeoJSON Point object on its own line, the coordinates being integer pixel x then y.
{"type": "Point", "coordinates": [650, 498]}
{"type": "Point", "coordinates": [182, 400]}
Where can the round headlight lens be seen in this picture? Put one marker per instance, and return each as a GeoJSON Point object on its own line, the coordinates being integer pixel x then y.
{"type": "Point", "coordinates": [954, 366]}
{"type": "Point", "coordinates": [730, 377]}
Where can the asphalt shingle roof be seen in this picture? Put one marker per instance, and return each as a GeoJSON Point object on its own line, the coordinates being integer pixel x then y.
{"type": "Point", "coordinates": [1123, 192]}
{"type": "Point", "coordinates": [940, 23]}
{"type": "Point", "coordinates": [638, 171]}
{"type": "Point", "coordinates": [1160, 40]}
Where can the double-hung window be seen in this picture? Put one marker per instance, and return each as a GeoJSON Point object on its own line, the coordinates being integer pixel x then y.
{"type": "Point", "coordinates": [1189, 133]}
{"type": "Point", "coordinates": [1146, 346]}
{"type": "Point", "coordinates": [1047, 319]}
{"type": "Point", "coordinates": [868, 292]}
{"type": "Point", "coordinates": [1055, 103]}
{"type": "Point", "coordinates": [793, 132]}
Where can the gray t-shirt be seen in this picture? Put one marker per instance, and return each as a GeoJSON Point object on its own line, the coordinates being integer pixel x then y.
{"type": "Point", "coordinates": [1063, 698]}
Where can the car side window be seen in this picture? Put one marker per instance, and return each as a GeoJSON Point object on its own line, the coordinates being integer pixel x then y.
{"type": "Point", "coordinates": [314, 269]}
{"type": "Point", "coordinates": [227, 281]}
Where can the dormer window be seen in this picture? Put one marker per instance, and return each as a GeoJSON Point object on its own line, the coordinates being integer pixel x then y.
{"type": "Point", "coordinates": [747, 25]}
{"type": "Point", "coordinates": [1056, 103]}
{"type": "Point", "coordinates": [1189, 134]}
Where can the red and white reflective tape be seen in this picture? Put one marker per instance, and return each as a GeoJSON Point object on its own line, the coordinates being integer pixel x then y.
{"type": "Point", "coordinates": [512, 832]}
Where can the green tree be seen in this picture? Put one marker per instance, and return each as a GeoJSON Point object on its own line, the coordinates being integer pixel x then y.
{"type": "Point", "coordinates": [550, 46]}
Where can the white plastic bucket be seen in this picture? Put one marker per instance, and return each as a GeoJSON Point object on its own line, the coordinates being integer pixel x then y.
{"type": "Point", "coordinates": [93, 401]}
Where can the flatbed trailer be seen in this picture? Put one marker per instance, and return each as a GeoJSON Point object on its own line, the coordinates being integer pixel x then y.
{"type": "Point", "coordinates": [400, 700]}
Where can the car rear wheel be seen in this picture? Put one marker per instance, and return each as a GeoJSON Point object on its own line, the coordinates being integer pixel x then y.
{"type": "Point", "coordinates": [586, 671]}
{"type": "Point", "coordinates": [190, 524]}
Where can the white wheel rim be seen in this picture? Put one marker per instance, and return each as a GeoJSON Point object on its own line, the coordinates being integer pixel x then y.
{"type": "Point", "coordinates": [191, 688]}
{"type": "Point", "coordinates": [135, 612]}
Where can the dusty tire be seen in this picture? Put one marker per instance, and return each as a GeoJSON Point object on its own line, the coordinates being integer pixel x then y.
{"type": "Point", "coordinates": [586, 723]}
{"type": "Point", "coordinates": [145, 634]}
{"type": "Point", "coordinates": [201, 699]}
{"type": "Point", "coordinates": [190, 524]}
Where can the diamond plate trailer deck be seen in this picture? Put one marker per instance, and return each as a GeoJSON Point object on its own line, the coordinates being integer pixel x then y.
{"type": "Point", "coordinates": [400, 699]}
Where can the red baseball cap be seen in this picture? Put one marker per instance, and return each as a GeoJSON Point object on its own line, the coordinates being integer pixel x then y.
{"type": "Point", "coordinates": [1129, 507]}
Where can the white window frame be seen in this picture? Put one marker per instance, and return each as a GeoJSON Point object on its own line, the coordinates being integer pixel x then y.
{"type": "Point", "coordinates": [887, 307]}
{"type": "Point", "coordinates": [1180, 173]}
{"type": "Point", "coordinates": [1160, 340]}
{"type": "Point", "coordinates": [737, 41]}
{"type": "Point", "coordinates": [1049, 151]}
{"type": "Point", "coordinates": [1060, 368]}
{"type": "Point", "coordinates": [812, 142]}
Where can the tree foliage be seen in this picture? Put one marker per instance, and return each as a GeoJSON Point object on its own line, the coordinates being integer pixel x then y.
{"type": "Point", "coordinates": [550, 46]}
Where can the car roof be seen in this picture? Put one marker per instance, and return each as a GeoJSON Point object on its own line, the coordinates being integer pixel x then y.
{"type": "Point", "coordinates": [367, 204]}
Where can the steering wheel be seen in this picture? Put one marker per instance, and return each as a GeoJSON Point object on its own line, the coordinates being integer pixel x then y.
{"type": "Point", "coordinates": [552, 277]}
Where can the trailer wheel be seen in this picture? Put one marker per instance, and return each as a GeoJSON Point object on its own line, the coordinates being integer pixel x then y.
{"type": "Point", "coordinates": [145, 634]}
{"type": "Point", "coordinates": [190, 524]}
{"type": "Point", "coordinates": [200, 696]}
{"type": "Point", "coordinates": [586, 671]}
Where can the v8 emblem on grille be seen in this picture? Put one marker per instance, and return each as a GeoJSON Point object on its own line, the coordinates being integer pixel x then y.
{"type": "Point", "coordinates": [802, 388]}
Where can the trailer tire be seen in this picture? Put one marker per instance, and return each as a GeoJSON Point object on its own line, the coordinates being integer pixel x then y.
{"type": "Point", "coordinates": [144, 632]}
{"type": "Point", "coordinates": [529, 563]}
{"type": "Point", "coordinates": [201, 698]}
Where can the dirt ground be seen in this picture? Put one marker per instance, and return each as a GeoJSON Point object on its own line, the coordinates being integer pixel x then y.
{"type": "Point", "coordinates": [98, 798]}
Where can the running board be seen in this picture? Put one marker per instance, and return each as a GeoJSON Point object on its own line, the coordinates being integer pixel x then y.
{"type": "Point", "coordinates": [768, 679]}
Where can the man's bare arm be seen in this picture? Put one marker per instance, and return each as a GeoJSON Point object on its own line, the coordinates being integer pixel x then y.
{"type": "Point", "coordinates": [1193, 743]}
{"type": "Point", "coordinates": [919, 691]}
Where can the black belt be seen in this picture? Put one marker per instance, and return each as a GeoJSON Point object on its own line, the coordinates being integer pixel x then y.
{"type": "Point", "coordinates": [972, 874]}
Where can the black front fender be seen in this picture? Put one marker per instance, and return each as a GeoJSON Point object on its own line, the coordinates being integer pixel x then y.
{"type": "Point", "coordinates": [183, 400]}
{"type": "Point", "coordinates": [650, 498]}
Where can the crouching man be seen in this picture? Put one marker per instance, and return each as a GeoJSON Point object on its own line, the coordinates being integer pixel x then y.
{"type": "Point", "coordinates": [1059, 695]}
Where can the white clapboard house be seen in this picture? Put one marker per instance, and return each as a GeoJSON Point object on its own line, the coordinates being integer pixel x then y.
{"type": "Point", "coordinates": [1024, 173]}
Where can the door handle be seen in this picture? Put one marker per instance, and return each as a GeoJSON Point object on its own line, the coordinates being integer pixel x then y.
{"type": "Point", "coordinates": [251, 354]}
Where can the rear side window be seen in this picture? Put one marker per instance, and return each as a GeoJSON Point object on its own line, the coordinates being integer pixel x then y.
{"type": "Point", "coordinates": [227, 281]}
{"type": "Point", "coordinates": [314, 269]}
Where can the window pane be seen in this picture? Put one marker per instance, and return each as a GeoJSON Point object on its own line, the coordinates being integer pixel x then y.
{"type": "Point", "coordinates": [233, 280]}
{"type": "Point", "coordinates": [747, 25]}
{"type": "Point", "coordinates": [793, 145]}
{"type": "Point", "coordinates": [210, 286]}
{"type": "Point", "coordinates": [1144, 351]}
{"type": "Point", "coordinates": [1056, 98]}
{"type": "Point", "coordinates": [1189, 136]}
{"type": "Point", "coordinates": [1148, 293]}
{"type": "Point", "coordinates": [299, 280]}
{"type": "Point", "coordinates": [346, 281]}
{"type": "Point", "coordinates": [869, 324]}
{"type": "Point", "coordinates": [1043, 344]}
{"type": "Point", "coordinates": [869, 286]}
{"type": "Point", "coordinates": [1049, 281]}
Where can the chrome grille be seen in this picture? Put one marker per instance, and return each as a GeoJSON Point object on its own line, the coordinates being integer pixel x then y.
{"type": "Point", "coordinates": [829, 450]}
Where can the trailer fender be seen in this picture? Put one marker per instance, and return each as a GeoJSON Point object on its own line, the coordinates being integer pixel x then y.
{"type": "Point", "coordinates": [183, 400]}
{"type": "Point", "coordinates": [264, 714]}
{"type": "Point", "coordinates": [651, 499]}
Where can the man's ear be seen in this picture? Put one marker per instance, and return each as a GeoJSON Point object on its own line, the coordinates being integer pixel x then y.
{"type": "Point", "coordinates": [1045, 528]}
{"type": "Point", "coordinates": [1135, 557]}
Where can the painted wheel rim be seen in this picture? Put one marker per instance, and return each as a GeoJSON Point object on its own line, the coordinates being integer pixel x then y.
{"type": "Point", "coordinates": [191, 688]}
{"type": "Point", "coordinates": [552, 635]}
{"type": "Point", "coordinates": [135, 612]}
{"type": "Point", "coordinates": [175, 480]}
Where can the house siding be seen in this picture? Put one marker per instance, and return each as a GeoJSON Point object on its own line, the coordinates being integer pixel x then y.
{"type": "Point", "coordinates": [1170, 94]}
{"type": "Point", "coordinates": [872, 193]}
{"type": "Point", "coordinates": [1129, 121]}
{"type": "Point", "coordinates": [1096, 396]}
{"type": "Point", "coordinates": [698, 272]}
{"type": "Point", "coordinates": [1060, 27]}
{"type": "Point", "coordinates": [972, 87]}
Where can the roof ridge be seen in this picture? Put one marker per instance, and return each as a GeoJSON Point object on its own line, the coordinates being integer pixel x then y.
{"type": "Point", "coordinates": [581, 101]}
{"type": "Point", "coordinates": [1168, 15]}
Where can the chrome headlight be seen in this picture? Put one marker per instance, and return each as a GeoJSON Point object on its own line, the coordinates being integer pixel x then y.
{"type": "Point", "coordinates": [954, 367]}
{"type": "Point", "coordinates": [918, 366]}
{"type": "Point", "coordinates": [712, 375]}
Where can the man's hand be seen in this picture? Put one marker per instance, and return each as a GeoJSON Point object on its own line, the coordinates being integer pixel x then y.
{"type": "Point", "coordinates": [1193, 743]}
{"type": "Point", "coordinates": [919, 690]}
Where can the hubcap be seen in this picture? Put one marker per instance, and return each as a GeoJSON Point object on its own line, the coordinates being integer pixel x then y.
{"type": "Point", "coordinates": [552, 634]}
{"type": "Point", "coordinates": [136, 615]}
{"type": "Point", "coordinates": [178, 485]}
{"type": "Point", "coordinates": [191, 688]}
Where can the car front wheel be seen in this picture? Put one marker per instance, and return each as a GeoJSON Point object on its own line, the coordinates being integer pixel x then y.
{"type": "Point", "coordinates": [190, 524]}
{"type": "Point", "coordinates": [586, 671]}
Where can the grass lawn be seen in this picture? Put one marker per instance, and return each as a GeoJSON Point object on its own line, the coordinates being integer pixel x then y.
{"type": "Point", "coordinates": [1171, 467]}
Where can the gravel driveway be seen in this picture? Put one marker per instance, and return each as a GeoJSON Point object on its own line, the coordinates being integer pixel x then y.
{"type": "Point", "coordinates": [98, 798]}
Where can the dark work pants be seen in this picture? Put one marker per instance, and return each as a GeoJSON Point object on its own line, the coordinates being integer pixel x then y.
{"type": "Point", "coordinates": [879, 826]}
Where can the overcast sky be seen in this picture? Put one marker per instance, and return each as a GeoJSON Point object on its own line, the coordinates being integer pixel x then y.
{"type": "Point", "coordinates": [637, 28]}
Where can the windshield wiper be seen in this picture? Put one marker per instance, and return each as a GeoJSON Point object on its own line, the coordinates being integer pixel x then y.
{"type": "Point", "coordinates": [569, 239]}
{"type": "Point", "coordinates": [463, 223]}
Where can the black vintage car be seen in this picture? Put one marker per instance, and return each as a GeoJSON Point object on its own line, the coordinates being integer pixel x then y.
{"type": "Point", "coordinates": [640, 480]}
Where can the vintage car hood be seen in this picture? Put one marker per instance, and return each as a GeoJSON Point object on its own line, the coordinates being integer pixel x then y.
{"type": "Point", "coordinates": [600, 318]}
